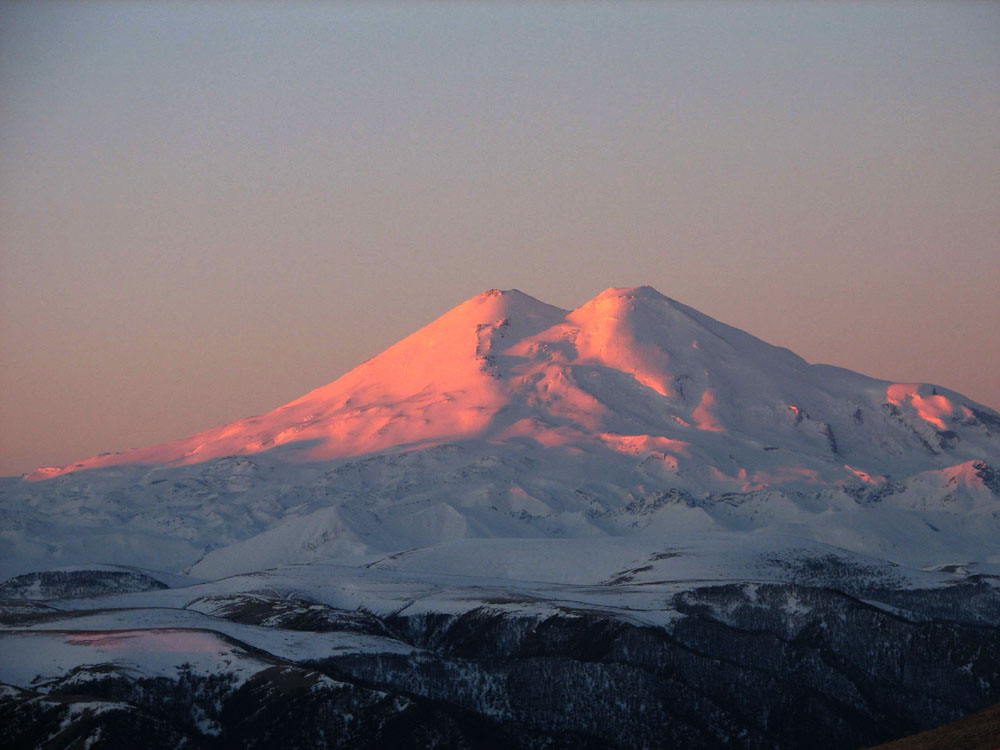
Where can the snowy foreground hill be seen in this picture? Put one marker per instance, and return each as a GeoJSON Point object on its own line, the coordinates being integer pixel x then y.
{"type": "Point", "coordinates": [628, 525]}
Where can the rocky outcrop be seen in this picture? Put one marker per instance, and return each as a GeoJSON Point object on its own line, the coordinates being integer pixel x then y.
{"type": "Point", "coordinates": [738, 666]}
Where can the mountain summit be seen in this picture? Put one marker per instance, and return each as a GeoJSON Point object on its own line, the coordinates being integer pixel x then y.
{"type": "Point", "coordinates": [629, 372]}
{"type": "Point", "coordinates": [507, 418]}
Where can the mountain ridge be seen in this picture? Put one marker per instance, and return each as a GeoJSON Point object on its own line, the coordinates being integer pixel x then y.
{"type": "Point", "coordinates": [506, 352]}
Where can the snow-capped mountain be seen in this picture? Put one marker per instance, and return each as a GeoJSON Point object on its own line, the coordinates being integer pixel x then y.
{"type": "Point", "coordinates": [628, 503]}
{"type": "Point", "coordinates": [510, 418]}
{"type": "Point", "coordinates": [631, 371]}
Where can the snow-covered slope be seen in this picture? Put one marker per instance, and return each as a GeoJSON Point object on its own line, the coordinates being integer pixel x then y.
{"type": "Point", "coordinates": [631, 371]}
{"type": "Point", "coordinates": [435, 385]}
{"type": "Point", "coordinates": [509, 418]}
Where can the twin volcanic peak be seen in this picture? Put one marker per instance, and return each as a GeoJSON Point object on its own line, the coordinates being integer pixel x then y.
{"type": "Point", "coordinates": [632, 372]}
{"type": "Point", "coordinates": [510, 419]}
{"type": "Point", "coordinates": [515, 478]}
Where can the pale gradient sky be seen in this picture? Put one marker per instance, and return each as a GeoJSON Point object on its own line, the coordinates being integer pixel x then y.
{"type": "Point", "coordinates": [208, 209]}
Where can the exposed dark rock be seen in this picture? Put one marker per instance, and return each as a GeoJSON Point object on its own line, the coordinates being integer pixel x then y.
{"type": "Point", "coordinates": [948, 438]}
{"type": "Point", "coordinates": [989, 475]}
{"type": "Point", "coordinates": [66, 584]}
{"type": "Point", "coordinates": [827, 431]}
{"type": "Point", "coordinates": [745, 666]}
{"type": "Point", "coordinates": [869, 494]}
{"type": "Point", "coordinates": [289, 613]}
{"type": "Point", "coordinates": [741, 665]}
{"type": "Point", "coordinates": [989, 420]}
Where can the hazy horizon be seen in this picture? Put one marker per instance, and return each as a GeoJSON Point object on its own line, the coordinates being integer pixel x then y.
{"type": "Point", "coordinates": [207, 210]}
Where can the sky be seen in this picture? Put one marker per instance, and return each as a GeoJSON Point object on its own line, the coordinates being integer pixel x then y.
{"type": "Point", "coordinates": [209, 209]}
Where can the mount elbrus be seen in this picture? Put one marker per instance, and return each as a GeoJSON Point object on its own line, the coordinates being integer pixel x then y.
{"type": "Point", "coordinates": [625, 525]}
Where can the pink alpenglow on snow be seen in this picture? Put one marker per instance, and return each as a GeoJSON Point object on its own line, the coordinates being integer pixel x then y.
{"type": "Point", "coordinates": [931, 407]}
{"type": "Point", "coordinates": [704, 415]}
{"type": "Point", "coordinates": [629, 373]}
